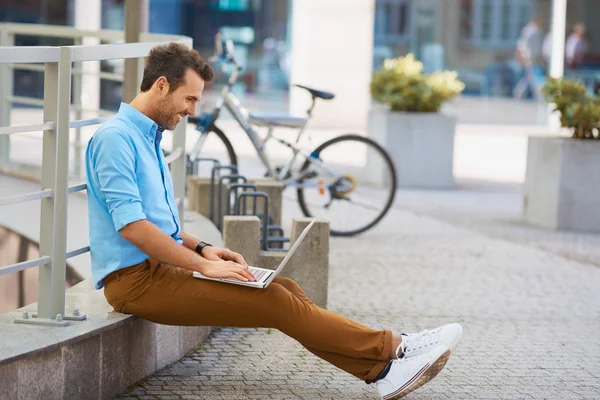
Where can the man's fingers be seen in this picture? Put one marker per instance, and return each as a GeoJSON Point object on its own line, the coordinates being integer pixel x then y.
{"type": "Point", "coordinates": [237, 257]}
{"type": "Point", "coordinates": [244, 272]}
{"type": "Point", "coordinates": [238, 277]}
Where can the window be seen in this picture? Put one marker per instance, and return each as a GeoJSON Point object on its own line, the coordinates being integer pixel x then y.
{"type": "Point", "coordinates": [494, 23]}
{"type": "Point", "coordinates": [391, 21]}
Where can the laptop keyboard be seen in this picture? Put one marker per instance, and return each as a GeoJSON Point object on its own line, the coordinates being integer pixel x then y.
{"type": "Point", "coordinates": [258, 273]}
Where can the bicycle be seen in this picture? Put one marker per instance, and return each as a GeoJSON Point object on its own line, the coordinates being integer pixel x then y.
{"type": "Point", "coordinates": [318, 179]}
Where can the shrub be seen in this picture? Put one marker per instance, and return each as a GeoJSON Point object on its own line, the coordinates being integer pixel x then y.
{"type": "Point", "coordinates": [402, 85]}
{"type": "Point", "coordinates": [578, 110]}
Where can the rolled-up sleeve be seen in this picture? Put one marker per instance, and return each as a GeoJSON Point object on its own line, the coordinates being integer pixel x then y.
{"type": "Point", "coordinates": [114, 162]}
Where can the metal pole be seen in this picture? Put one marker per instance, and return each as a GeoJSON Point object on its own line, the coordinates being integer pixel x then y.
{"type": "Point", "coordinates": [6, 90]}
{"type": "Point", "coordinates": [136, 22]}
{"type": "Point", "coordinates": [557, 58]}
{"type": "Point", "coordinates": [77, 90]}
{"type": "Point", "coordinates": [55, 170]}
{"type": "Point", "coordinates": [178, 167]}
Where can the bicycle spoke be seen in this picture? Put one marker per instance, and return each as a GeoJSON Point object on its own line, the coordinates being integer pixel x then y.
{"type": "Point", "coordinates": [364, 205]}
{"type": "Point", "coordinates": [356, 199]}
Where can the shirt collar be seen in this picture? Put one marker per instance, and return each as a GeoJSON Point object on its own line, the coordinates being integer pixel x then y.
{"type": "Point", "coordinates": [148, 127]}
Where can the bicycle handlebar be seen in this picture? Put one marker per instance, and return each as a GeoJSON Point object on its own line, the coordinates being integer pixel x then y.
{"type": "Point", "coordinates": [194, 119]}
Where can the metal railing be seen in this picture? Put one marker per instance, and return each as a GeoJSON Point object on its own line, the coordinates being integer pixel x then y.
{"type": "Point", "coordinates": [57, 66]}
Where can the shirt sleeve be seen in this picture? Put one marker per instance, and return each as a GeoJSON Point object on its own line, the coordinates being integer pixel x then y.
{"type": "Point", "coordinates": [114, 163]}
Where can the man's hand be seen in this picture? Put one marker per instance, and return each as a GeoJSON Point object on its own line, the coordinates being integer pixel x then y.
{"type": "Point", "coordinates": [221, 254]}
{"type": "Point", "coordinates": [226, 269]}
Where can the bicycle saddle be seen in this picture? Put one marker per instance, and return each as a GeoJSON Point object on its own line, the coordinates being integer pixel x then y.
{"type": "Point", "coordinates": [318, 93]}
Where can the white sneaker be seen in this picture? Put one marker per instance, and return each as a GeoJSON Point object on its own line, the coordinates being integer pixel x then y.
{"type": "Point", "coordinates": [408, 374]}
{"type": "Point", "coordinates": [415, 344]}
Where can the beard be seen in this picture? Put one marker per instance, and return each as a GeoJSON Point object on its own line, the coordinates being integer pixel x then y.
{"type": "Point", "coordinates": [166, 115]}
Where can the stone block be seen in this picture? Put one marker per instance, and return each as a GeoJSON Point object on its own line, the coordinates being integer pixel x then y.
{"type": "Point", "coordinates": [9, 381]}
{"type": "Point", "coordinates": [114, 372]}
{"type": "Point", "coordinates": [309, 266]}
{"type": "Point", "coordinates": [560, 192]}
{"type": "Point", "coordinates": [190, 336]}
{"type": "Point", "coordinates": [168, 347]}
{"type": "Point", "coordinates": [271, 259]}
{"type": "Point", "coordinates": [199, 196]}
{"type": "Point", "coordinates": [141, 342]}
{"type": "Point", "coordinates": [42, 377]}
{"type": "Point", "coordinates": [421, 146]}
{"type": "Point", "coordinates": [241, 234]}
{"type": "Point", "coordinates": [82, 369]}
{"type": "Point", "coordinates": [274, 190]}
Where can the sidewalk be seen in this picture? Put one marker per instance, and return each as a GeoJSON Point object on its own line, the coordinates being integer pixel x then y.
{"type": "Point", "coordinates": [528, 300]}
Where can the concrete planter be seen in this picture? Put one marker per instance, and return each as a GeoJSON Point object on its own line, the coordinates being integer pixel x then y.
{"type": "Point", "coordinates": [420, 144]}
{"type": "Point", "coordinates": [562, 187]}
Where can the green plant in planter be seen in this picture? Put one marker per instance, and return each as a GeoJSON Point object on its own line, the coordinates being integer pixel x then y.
{"type": "Point", "coordinates": [402, 85]}
{"type": "Point", "coordinates": [578, 110]}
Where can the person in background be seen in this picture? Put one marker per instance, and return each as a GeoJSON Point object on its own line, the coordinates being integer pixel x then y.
{"type": "Point", "coordinates": [529, 56]}
{"type": "Point", "coordinates": [576, 47]}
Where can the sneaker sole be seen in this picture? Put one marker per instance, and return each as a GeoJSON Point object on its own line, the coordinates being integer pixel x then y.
{"type": "Point", "coordinates": [427, 375]}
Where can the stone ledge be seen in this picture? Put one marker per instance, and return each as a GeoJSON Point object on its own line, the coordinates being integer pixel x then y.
{"type": "Point", "coordinates": [97, 358]}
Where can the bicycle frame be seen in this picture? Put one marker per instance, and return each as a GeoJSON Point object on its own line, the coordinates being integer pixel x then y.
{"type": "Point", "coordinates": [240, 114]}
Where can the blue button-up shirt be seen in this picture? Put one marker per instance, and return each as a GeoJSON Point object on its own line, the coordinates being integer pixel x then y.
{"type": "Point", "coordinates": [127, 180]}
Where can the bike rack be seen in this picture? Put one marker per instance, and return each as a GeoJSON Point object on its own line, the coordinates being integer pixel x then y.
{"type": "Point", "coordinates": [232, 178]}
{"type": "Point", "coordinates": [233, 188]}
{"type": "Point", "coordinates": [269, 241]}
{"type": "Point", "coordinates": [216, 169]}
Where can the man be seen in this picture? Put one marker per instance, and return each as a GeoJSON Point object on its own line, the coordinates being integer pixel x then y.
{"type": "Point", "coordinates": [576, 46]}
{"type": "Point", "coordinates": [145, 262]}
{"type": "Point", "coordinates": [529, 54]}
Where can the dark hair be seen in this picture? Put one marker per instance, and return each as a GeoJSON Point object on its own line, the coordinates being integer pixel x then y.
{"type": "Point", "coordinates": [172, 61]}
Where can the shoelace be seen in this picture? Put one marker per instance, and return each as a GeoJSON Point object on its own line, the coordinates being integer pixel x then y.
{"type": "Point", "coordinates": [416, 341]}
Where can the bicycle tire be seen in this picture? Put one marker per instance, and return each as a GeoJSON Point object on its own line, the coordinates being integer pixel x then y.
{"type": "Point", "coordinates": [230, 151]}
{"type": "Point", "coordinates": [390, 165]}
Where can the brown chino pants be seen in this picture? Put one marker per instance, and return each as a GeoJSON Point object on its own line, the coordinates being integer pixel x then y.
{"type": "Point", "coordinates": [169, 295]}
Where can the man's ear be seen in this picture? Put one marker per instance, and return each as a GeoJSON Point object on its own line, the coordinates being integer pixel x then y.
{"type": "Point", "coordinates": [162, 85]}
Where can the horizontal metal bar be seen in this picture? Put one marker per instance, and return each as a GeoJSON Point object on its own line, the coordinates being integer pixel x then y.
{"type": "Point", "coordinates": [88, 122]}
{"type": "Point", "coordinates": [29, 54]}
{"type": "Point", "coordinates": [109, 76]}
{"type": "Point", "coordinates": [22, 198]}
{"type": "Point", "coordinates": [174, 155]}
{"type": "Point", "coordinates": [77, 188]}
{"type": "Point", "coordinates": [10, 130]}
{"type": "Point", "coordinates": [24, 265]}
{"type": "Point", "coordinates": [77, 252]}
{"type": "Point", "coordinates": [106, 35]}
{"type": "Point", "coordinates": [111, 51]}
{"type": "Point", "coordinates": [27, 67]}
{"type": "Point", "coordinates": [26, 100]}
{"type": "Point", "coordinates": [61, 32]}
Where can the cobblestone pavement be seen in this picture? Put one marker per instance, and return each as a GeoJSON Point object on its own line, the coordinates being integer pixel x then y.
{"type": "Point", "coordinates": [531, 314]}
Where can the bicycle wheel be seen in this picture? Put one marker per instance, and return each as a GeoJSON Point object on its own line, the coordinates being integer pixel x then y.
{"type": "Point", "coordinates": [217, 146]}
{"type": "Point", "coordinates": [361, 194]}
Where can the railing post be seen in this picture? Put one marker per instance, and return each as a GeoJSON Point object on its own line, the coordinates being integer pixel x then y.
{"type": "Point", "coordinates": [6, 89]}
{"type": "Point", "coordinates": [77, 103]}
{"type": "Point", "coordinates": [178, 167]}
{"type": "Point", "coordinates": [55, 171]}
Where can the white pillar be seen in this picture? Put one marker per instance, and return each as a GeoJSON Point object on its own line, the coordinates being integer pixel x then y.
{"type": "Point", "coordinates": [557, 59]}
{"type": "Point", "coordinates": [88, 16]}
{"type": "Point", "coordinates": [332, 50]}
{"type": "Point", "coordinates": [559, 17]}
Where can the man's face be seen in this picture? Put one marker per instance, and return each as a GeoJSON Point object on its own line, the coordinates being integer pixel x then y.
{"type": "Point", "coordinates": [173, 106]}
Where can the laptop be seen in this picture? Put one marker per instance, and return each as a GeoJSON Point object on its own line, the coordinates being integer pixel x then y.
{"type": "Point", "coordinates": [263, 276]}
